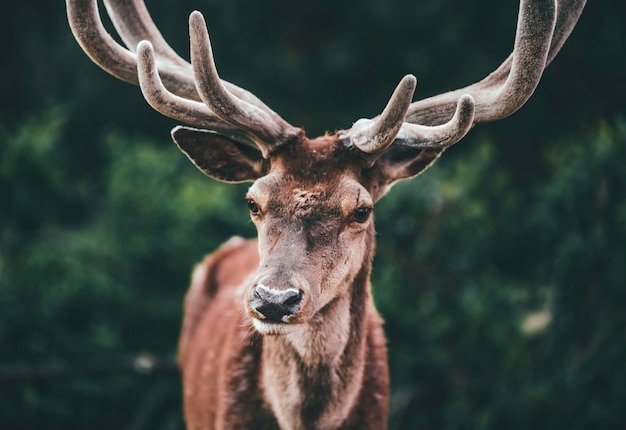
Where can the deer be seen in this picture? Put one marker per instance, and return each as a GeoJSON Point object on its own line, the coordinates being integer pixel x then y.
{"type": "Point", "coordinates": [281, 331]}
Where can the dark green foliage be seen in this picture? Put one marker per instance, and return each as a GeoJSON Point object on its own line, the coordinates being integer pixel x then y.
{"type": "Point", "coordinates": [87, 297]}
{"type": "Point", "coordinates": [469, 269]}
{"type": "Point", "coordinates": [500, 271]}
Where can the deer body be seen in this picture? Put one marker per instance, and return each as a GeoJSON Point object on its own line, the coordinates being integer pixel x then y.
{"type": "Point", "coordinates": [282, 332]}
{"type": "Point", "coordinates": [221, 347]}
{"type": "Point", "coordinates": [327, 372]}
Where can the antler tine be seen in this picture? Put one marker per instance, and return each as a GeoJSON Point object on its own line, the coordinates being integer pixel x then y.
{"type": "Point", "coordinates": [163, 101]}
{"type": "Point", "coordinates": [133, 23]}
{"type": "Point", "coordinates": [535, 28]}
{"type": "Point", "coordinates": [88, 30]}
{"type": "Point", "coordinates": [440, 136]}
{"type": "Point", "coordinates": [373, 137]}
{"type": "Point", "coordinates": [268, 129]}
{"type": "Point", "coordinates": [568, 12]}
{"type": "Point", "coordinates": [84, 20]}
{"type": "Point", "coordinates": [439, 108]}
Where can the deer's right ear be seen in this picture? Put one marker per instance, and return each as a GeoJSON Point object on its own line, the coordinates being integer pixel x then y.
{"type": "Point", "coordinates": [221, 157]}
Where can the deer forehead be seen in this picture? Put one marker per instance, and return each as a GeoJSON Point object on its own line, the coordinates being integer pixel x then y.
{"type": "Point", "coordinates": [301, 196]}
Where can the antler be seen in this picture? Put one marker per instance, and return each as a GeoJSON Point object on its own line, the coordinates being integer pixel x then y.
{"type": "Point", "coordinates": [543, 26]}
{"type": "Point", "coordinates": [195, 94]}
{"type": "Point", "coordinates": [168, 82]}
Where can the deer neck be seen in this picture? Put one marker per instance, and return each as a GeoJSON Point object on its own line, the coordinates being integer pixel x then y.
{"type": "Point", "coordinates": [313, 375]}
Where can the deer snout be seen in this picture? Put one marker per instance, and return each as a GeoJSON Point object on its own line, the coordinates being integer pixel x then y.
{"type": "Point", "coordinates": [276, 305]}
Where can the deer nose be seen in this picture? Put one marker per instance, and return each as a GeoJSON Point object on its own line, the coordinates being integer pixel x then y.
{"type": "Point", "coordinates": [276, 305]}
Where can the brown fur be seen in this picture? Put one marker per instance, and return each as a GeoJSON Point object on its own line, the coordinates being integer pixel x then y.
{"type": "Point", "coordinates": [332, 375]}
{"type": "Point", "coordinates": [221, 358]}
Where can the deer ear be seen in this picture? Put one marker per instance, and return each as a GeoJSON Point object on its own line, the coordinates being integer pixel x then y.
{"type": "Point", "coordinates": [221, 157]}
{"type": "Point", "coordinates": [403, 162]}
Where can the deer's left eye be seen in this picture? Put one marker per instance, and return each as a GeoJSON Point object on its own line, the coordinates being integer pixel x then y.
{"type": "Point", "coordinates": [254, 208]}
{"type": "Point", "coordinates": [362, 214]}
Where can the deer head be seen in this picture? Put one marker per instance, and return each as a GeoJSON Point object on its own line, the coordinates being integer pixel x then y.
{"type": "Point", "coordinates": [311, 199]}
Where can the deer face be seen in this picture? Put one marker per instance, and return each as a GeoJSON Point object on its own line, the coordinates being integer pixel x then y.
{"type": "Point", "coordinates": [313, 239]}
{"type": "Point", "coordinates": [315, 229]}
{"type": "Point", "coordinates": [311, 202]}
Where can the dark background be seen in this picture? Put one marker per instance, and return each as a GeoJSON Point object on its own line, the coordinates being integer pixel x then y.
{"type": "Point", "coordinates": [501, 272]}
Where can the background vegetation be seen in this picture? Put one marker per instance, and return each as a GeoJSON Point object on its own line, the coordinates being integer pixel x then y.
{"type": "Point", "coordinates": [500, 272]}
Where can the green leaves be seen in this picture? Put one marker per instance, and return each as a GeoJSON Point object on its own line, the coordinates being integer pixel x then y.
{"type": "Point", "coordinates": [91, 291]}
{"type": "Point", "coordinates": [501, 294]}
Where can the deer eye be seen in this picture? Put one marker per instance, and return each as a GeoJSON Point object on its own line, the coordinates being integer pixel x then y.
{"type": "Point", "coordinates": [362, 214]}
{"type": "Point", "coordinates": [254, 208]}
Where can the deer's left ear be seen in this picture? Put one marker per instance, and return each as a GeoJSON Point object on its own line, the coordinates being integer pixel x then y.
{"type": "Point", "coordinates": [221, 157]}
{"type": "Point", "coordinates": [402, 162]}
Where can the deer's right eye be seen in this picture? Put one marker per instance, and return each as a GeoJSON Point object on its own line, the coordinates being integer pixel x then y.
{"type": "Point", "coordinates": [362, 214]}
{"type": "Point", "coordinates": [254, 208]}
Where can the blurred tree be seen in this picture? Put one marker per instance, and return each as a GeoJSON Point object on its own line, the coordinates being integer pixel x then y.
{"type": "Point", "coordinates": [503, 303]}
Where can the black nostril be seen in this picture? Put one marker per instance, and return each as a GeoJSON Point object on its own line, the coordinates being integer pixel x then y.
{"type": "Point", "coordinates": [275, 305]}
{"type": "Point", "coordinates": [294, 298]}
